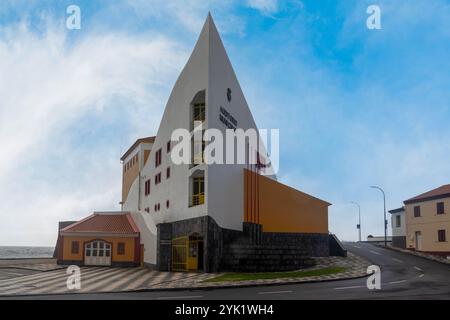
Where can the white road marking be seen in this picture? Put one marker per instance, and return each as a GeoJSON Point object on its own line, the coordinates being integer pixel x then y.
{"type": "Point", "coordinates": [352, 287]}
{"type": "Point", "coordinates": [394, 282]}
{"type": "Point", "coordinates": [275, 292]}
{"type": "Point", "coordinates": [418, 269]}
{"type": "Point", "coordinates": [180, 297]}
{"type": "Point", "coordinates": [421, 275]}
{"type": "Point", "coordinates": [397, 260]}
{"type": "Point", "coordinates": [357, 247]}
{"type": "Point", "coordinates": [375, 252]}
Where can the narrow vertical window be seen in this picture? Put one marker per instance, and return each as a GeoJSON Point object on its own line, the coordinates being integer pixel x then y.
{"type": "Point", "coordinates": [147, 187]}
{"type": "Point", "coordinates": [168, 173]}
{"type": "Point", "coordinates": [398, 221]}
{"type": "Point", "coordinates": [440, 209]}
{"type": "Point", "coordinates": [75, 247]}
{"type": "Point", "coordinates": [158, 158]}
{"type": "Point", "coordinates": [417, 211]}
{"type": "Point", "coordinates": [441, 236]}
{"type": "Point", "coordinates": [121, 248]}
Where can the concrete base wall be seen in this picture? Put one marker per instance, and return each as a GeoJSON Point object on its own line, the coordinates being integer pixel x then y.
{"type": "Point", "coordinates": [399, 242]}
{"type": "Point", "coordinates": [247, 250]}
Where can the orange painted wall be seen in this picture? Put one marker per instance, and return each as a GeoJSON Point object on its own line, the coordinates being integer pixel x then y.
{"type": "Point", "coordinates": [128, 177]}
{"type": "Point", "coordinates": [146, 154]}
{"type": "Point", "coordinates": [280, 208]}
{"type": "Point", "coordinates": [127, 257]}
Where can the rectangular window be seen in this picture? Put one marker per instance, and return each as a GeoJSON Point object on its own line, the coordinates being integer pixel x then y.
{"type": "Point", "coordinates": [168, 146]}
{"type": "Point", "coordinates": [147, 187]}
{"type": "Point", "coordinates": [158, 178]}
{"type": "Point", "coordinates": [416, 211]}
{"type": "Point", "coordinates": [198, 191]}
{"type": "Point", "coordinates": [121, 248]}
{"type": "Point", "coordinates": [440, 208]}
{"type": "Point", "coordinates": [199, 112]}
{"type": "Point", "coordinates": [158, 158]}
{"type": "Point", "coordinates": [441, 235]}
{"type": "Point", "coordinates": [168, 173]}
{"type": "Point", "coordinates": [397, 221]}
{"type": "Point", "coordinates": [75, 247]}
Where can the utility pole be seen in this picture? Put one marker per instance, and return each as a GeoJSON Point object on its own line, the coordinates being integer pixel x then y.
{"type": "Point", "coordinates": [385, 221]}
{"type": "Point", "coordinates": [359, 220]}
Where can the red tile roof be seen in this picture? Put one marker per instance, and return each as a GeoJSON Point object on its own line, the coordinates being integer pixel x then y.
{"type": "Point", "coordinates": [438, 193]}
{"type": "Point", "coordinates": [120, 223]}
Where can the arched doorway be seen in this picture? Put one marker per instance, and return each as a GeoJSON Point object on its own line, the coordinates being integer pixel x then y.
{"type": "Point", "coordinates": [97, 253]}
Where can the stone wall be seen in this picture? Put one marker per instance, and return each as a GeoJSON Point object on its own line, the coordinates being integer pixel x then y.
{"type": "Point", "coordinates": [247, 250]}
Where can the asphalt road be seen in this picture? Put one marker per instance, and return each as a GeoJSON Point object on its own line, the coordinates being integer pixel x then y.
{"type": "Point", "coordinates": [403, 276]}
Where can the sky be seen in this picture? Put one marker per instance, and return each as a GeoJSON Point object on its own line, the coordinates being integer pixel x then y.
{"type": "Point", "coordinates": [355, 107]}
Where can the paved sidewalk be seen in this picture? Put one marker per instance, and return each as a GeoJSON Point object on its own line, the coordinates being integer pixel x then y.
{"type": "Point", "coordinates": [37, 264]}
{"type": "Point", "coordinates": [356, 268]}
{"type": "Point", "coordinates": [104, 279]}
{"type": "Point", "coordinates": [419, 254]}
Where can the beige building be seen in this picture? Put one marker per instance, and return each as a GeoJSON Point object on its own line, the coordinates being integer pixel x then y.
{"type": "Point", "coordinates": [428, 221]}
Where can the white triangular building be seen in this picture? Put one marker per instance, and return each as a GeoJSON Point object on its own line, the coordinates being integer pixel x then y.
{"type": "Point", "coordinates": [201, 217]}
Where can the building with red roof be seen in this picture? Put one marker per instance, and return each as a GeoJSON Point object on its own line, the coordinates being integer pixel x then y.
{"type": "Point", "coordinates": [427, 221]}
{"type": "Point", "coordinates": [103, 238]}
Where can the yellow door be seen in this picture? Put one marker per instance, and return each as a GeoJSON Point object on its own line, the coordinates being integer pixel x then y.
{"type": "Point", "coordinates": [180, 254]}
{"type": "Point", "coordinates": [193, 256]}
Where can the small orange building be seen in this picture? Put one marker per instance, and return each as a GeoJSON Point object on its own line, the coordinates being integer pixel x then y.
{"type": "Point", "coordinates": [102, 239]}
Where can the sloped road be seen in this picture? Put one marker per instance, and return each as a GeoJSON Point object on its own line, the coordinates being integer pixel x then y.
{"type": "Point", "coordinates": [403, 276]}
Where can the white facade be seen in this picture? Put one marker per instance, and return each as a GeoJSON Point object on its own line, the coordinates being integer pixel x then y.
{"type": "Point", "coordinates": [398, 223]}
{"type": "Point", "coordinates": [209, 76]}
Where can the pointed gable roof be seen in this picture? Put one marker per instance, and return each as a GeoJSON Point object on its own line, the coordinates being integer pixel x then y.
{"type": "Point", "coordinates": [438, 193]}
{"type": "Point", "coordinates": [110, 223]}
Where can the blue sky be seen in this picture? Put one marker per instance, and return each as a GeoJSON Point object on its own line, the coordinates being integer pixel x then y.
{"type": "Point", "coordinates": [355, 107]}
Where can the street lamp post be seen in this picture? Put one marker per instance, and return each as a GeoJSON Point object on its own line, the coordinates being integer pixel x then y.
{"type": "Point", "coordinates": [385, 221]}
{"type": "Point", "coordinates": [359, 215]}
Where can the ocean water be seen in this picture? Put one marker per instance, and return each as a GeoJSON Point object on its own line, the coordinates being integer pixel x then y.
{"type": "Point", "coordinates": [25, 252]}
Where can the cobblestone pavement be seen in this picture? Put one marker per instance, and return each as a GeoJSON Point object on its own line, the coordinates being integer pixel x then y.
{"type": "Point", "coordinates": [104, 279]}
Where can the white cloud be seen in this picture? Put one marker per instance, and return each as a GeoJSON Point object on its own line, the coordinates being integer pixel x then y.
{"type": "Point", "coordinates": [265, 6]}
{"type": "Point", "coordinates": [49, 87]}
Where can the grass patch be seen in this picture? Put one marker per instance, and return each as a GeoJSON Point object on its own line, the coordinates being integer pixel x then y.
{"type": "Point", "coordinates": [276, 275]}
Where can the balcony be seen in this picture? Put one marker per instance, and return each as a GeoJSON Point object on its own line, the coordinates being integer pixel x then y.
{"type": "Point", "coordinates": [198, 199]}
